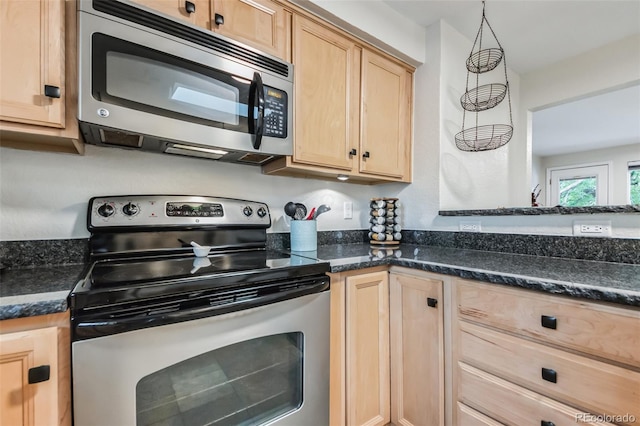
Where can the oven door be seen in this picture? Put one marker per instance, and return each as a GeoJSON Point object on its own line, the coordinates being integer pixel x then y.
{"type": "Point", "coordinates": [144, 82]}
{"type": "Point", "coordinates": [264, 365]}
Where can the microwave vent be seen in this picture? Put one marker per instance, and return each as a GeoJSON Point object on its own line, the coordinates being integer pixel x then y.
{"type": "Point", "coordinates": [176, 29]}
{"type": "Point", "coordinates": [255, 158]}
{"type": "Point", "coordinates": [115, 137]}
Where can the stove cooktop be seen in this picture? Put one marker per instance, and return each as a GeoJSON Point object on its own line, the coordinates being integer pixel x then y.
{"type": "Point", "coordinates": [117, 281]}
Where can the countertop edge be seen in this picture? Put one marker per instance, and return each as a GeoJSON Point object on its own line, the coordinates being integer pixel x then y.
{"type": "Point", "coordinates": [575, 290]}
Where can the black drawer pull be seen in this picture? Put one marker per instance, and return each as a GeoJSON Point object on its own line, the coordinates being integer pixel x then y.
{"type": "Point", "coordinates": [352, 152]}
{"type": "Point", "coordinates": [549, 322]}
{"type": "Point", "coordinates": [432, 303]}
{"type": "Point", "coordinates": [546, 423]}
{"type": "Point", "coordinates": [51, 91]}
{"type": "Point", "coordinates": [366, 154]}
{"type": "Point", "coordinates": [550, 375]}
{"type": "Point", "coordinates": [39, 374]}
{"type": "Point", "coordinates": [218, 19]}
{"type": "Point", "coordinates": [190, 7]}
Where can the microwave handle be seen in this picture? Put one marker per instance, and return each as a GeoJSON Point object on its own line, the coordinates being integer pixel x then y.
{"type": "Point", "coordinates": [256, 124]}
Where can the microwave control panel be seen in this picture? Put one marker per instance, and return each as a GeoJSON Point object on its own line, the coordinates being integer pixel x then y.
{"type": "Point", "coordinates": [275, 113]}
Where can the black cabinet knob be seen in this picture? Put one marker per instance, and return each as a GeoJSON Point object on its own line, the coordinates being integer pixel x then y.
{"type": "Point", "coordinates": [51, 91]}
{"type": "Point", "coordinates": [352, 152]}
{"type": "Point", "coordinates": [432, 303]}
{"type": "Point", "coordinates": [549, 322]}
{"type": "Point", "coordinates": [546, 423]}
{"type": "Point", "coordinates": [550, 375]}
{"type": "Point", "coordinates": [366, 154]}
{"type": "Point", "coordinates": [190, 7]}
{"type": "Point", "coordinates": [218, 19]}
{"type": "Point", "coordinates": [39, 374]}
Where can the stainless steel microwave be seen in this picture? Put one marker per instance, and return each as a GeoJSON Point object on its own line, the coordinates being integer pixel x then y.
{"type": "Point", "coordinates": [150, 82]}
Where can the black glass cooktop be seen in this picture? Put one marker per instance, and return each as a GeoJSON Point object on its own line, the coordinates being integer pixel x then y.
{"type": "Point", "coordinates": [116, 281]}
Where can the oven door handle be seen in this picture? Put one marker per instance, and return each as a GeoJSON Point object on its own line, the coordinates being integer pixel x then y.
{"type": "Point", "coordinates": [100, 326]}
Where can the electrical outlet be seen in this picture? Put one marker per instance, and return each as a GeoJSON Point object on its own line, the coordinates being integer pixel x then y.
{"type": "Point", "coordinates": [348, 210]}
{"type": "Point", "coordinates": [592, 228]}
{"type": "Point", "coordinates": [470, 226]}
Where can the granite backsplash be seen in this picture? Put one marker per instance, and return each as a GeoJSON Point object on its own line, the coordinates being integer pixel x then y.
{"type": "Point", "coordinates": [33, 253]}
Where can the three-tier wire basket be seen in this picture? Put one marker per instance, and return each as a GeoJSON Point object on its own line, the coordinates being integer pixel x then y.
{"type": "Point", "coordinates": [483, 97]}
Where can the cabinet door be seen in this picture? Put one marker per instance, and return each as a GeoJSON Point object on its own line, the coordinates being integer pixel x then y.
{"type": "Point", "coordinates": [32, 56]}
{"type": "Point", "coordinates": [262, 24]}
{"type": "Point", "coordinates": [367, 349]}
{"type": "Point", "coordinates": [417, 351]}
{"type": "Point", "coordinates": [23, 403]}
{"type": "Point", "coordinates": [385, 117]}
{"type": "Point", "coordinates": [326, 97]}
{"type": "Point", "coordinates": [178, 9]}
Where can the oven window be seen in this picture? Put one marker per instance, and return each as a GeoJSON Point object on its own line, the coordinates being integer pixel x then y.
{"type": "Point", "coordinates": [248, 383]}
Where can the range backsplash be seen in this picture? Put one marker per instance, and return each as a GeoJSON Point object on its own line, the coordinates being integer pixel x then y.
{"type": "Point", "coordinates": [33, 253]}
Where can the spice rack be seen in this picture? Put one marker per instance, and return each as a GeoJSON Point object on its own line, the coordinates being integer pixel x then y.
{"type": "Point", "coordinates": [384, 222]}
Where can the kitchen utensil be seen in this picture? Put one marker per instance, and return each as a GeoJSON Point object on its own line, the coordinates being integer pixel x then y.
{"type": "Point", "coordinates": [311, 214]}
{"type": "Point", "coordinates": [200, 251]}
{"type": "Point", "coordinates": [322, 209]}
{"type": "Point", "coordinates": [290, 209]}
{"type": "Point", "coordinates": [301, 211]}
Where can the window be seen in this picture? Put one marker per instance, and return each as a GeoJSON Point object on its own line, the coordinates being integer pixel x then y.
{"type": "Point", "coordinates": [634, 182]}
{"type": "Point", "coordinates": [579, 186]}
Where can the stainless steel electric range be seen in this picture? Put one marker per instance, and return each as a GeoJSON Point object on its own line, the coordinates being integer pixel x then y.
{"type": "Point", "coordinates": [161, 336]}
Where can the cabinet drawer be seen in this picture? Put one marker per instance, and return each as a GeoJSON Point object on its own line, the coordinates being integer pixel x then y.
{"type": "Point", "coordinates": [581, 382]}
{"type": "Point", "coordinates": [511, 404]}
{"type": "Point", "coordinates": [592, 328]}
{"type": "Point", "coordinates": [469, 417]}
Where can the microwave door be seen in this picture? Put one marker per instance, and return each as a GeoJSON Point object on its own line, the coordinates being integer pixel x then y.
{"type": "Point", "coordinates": [256, 110]}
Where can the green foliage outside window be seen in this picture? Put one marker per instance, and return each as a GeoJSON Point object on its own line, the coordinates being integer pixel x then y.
{"type": "Point", "coordinates": [634, 180]}
{"type": "Point", "coordinates": [578, 192]}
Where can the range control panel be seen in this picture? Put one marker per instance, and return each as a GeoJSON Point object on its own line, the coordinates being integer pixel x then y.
{"type": "Point", "coordinates": [175, 211]}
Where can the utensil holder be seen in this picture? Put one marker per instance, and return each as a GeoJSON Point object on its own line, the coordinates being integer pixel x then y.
{"type": "Point", "coordinates": [304, 235]}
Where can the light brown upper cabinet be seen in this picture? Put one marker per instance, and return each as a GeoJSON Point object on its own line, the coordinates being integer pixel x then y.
{"type": "Point", "coordinates": [352, 109]}
{"type": "Point", "coordinates": [385, 111]}
{"type": "Point", "coordinates": [262, 24]}
{"type": "Point", "coordinates": [193, 11]}
{"type": "Point", "coordinates": [37, 96]}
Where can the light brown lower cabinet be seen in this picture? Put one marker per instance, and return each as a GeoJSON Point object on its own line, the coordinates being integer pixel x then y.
{"type": "Point", "coordinates": [35, 382]}
{"type": "Point", "coordinates": [522, 357]}
{"type": "Point", "coordinates": [387, 359]}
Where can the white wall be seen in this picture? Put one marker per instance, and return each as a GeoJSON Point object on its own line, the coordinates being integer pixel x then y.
{"type": "Point", "coordinates": [44, 195]}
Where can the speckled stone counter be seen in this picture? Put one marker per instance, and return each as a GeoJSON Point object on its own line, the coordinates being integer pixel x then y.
{"type": "Point", "coordinates": [44, 290]}
{"type": "Point", "coordinates": [604, 281]}
{"type": "Point", "coordinates": [41, 290]}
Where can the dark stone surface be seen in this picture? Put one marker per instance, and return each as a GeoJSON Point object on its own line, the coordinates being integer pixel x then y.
{"type": "Point", "coordinates": [20, 254]}
{"type": "Point", "coordinates": [605, 269]}
{"type": "Point", "coordinates": [605, 281]}
{"type": "Point", "coordinates": [37, 291]}
{"type": "Point", "coordinates": [620, 250]}
{"type": "Point", "coordinates": [535, 211]}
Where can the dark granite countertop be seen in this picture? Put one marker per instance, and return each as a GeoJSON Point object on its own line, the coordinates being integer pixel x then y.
{"type": "Point", "coordinates": [26, 292]}
{"type": "Point", "coordinates": [44, 290]}
{"type": "Point", "coordinates": [605, 281]}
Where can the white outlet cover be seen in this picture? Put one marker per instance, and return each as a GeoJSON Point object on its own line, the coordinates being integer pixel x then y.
{"type": "Point", "coordinates": [592, 228]}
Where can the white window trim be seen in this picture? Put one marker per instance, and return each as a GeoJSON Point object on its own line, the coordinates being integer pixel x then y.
{"type": "Point", "coordinates": [635, 165]}
{"type": "Point", "coordinates": [608, 164]}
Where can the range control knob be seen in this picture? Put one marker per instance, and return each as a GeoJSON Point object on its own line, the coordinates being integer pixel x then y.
{"type": "Point", "coordinates": [106, 210]}
{"type": "Point", "coordinates": [130, 209]}
{"type": "Point", "coordinates": [247, 211]}
{"type": "Point", "coordinates": [262, 212]}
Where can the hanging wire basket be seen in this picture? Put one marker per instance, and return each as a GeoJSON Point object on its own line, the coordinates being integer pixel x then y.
{"type": "Point", "coordinates": [484, 60]}
{"type": "Point", "coordinates": [484, 138]}
{"type": "Point", "coordinates": [483, 97]}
